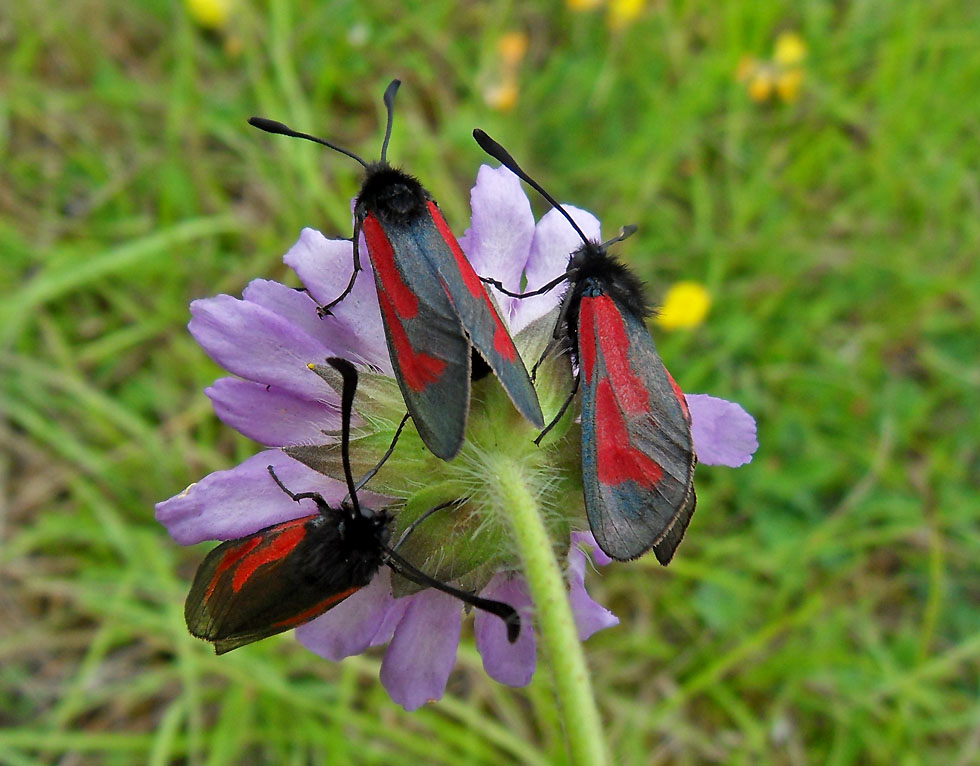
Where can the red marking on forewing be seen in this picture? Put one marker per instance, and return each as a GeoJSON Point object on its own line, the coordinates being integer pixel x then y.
{"type": "Point", "coordinates": [403, 300]}
{"type": "Point", "coordinates": [472, 281]}
{"type": "Point", "coordinates": [316, 609]}
{"type": "Point", "coordinates": [274, 547]}
{"type": "Point", "coordinates": [502, 342]}
{"type": "Point", "coordinates": [681, 399]}
{"type": "Point", "coordinates": [601, 322]}
{"type": "Point", "coordinates": [617, 460]}
{"type": "Point", "coordinates": [235, 554]}
{"type": "Point", "coordinates": [586, 337]}
{"type": "Point", "coordinates": [418, 370]}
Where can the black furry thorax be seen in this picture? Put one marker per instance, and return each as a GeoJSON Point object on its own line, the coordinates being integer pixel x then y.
{"type": "Point", "coordinates": [593, 271]}
{"type": "Point", "coordinates": [392, 195]}
{"type": "Point", "coordinates": [345, 548]}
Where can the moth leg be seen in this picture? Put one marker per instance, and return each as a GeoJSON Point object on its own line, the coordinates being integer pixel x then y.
{"type": "Point", "coordinates": [322, 311]}
{"type": "Point", "coordinates": [561, 412]}
{"type": "Point", "coordinates": [411, 527]}
{"type": "Point", "coordinates": [540, 291]}
{"type": "Point", "coordinates": [316, 497]}
{"type": "Point", "coordinates": [384, 458]}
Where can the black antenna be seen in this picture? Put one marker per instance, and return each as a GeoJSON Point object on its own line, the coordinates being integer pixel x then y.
{"type": "Point", "coordinates": [271, 126]}
{"type": "Point", "coordinates": [627, 231]}
{"type": "Point", "coordinates": [500, 154]}
{"type": "Point", "coordinates": [389, 99]}
{"type": "Point", "coordinates": [505, 612]}
{"type": "Point", "coordinates": [349, 373]}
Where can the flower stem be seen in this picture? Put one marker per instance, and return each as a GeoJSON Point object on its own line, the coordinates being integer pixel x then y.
{"type": "Point", "coordinates": [559, 635]}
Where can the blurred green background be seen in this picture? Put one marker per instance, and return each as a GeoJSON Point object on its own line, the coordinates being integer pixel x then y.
{"type": "Point", "coordinates": [825, 607]}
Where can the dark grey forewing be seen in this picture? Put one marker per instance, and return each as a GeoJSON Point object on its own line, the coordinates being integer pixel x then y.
{"type": "Point", "coordinates": [479, 315]}
{"type": "Point", "coordinates": [664, 550]}
{"type": "Point", "coordinates": [439, 409]}
{"type": "Point", "coordinates": [631, 517]}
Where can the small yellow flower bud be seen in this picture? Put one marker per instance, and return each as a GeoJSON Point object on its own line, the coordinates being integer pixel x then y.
{"type": "Point", "coordinates": [790, 49]}
{"type": "Point", "coordinates": [788, 84]}
{"type": "Point", "coordinates": [210, 14]}
{"type": "Point", "coordinates": [685, 306]}
{"type": "Point", "coordinates": [502, 96]}
{"type": "Point", "coordinates": [760, 86]}
{"type": "Point", "coordinates": [511, 49]}
{"type": "Point", "coordinates": [583, 5]}
{"type": "Point", "coordinates": [622, 12]}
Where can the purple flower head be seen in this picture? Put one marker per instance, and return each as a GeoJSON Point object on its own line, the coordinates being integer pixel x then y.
{"type": "Point", "coordinates": [274, 343]}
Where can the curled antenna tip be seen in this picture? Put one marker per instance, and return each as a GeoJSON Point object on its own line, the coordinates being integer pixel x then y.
{"type": "Point", "coordinates": [391, 90]}
{"type": "Point", "coordinates": [270, 126]}
{"type": "Point", "coordinates": [500, 154]}
{"type": "Point", "coordinates": [389, 100]}
{"type": "Point", "coordinates": [513, 628]}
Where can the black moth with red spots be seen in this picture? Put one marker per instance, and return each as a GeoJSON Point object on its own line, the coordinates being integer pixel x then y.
{"type": "Point", "coordinates": [637, 450]}
{"type": "Point", "coordinates": [284, 575]}
{"type": "Point", "coordinates": [433, 306]}
{"type": "Point", "coordinates": [287, 574]}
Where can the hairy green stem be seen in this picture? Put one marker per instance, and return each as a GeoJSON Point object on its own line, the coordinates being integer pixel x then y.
{"type": "Point", "coordinates": [558, 633]}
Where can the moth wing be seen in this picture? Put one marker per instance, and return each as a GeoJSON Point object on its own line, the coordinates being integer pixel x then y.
{"type": "Point", "coordinates": [637, 451]}
{"type": "Point", "coordinates": [478, 313]}
{"type": "Point", "coordinates": [257, 586]}
{"type": "Point", "coordinates": [429, 350]}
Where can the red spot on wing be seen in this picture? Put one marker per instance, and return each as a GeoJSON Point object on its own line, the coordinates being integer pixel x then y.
{"type": "Point", "coordinates": [403, 300]}
{"type": "Point", "coordinates": [233, 556]}
{"type": "Point", "coordinates": [276, 545]}
{"type": "Point", "coordinates": [418, 370]}
{"type": "Point", "coordinates": [617, 460]}
{"type": "Point", "coordinates": [502, 342]}
{"type": "Point", "coordinates": [601, 322]}
{"type": "Point", "coordinates": [586, 338]}
{"type": "Point", "coordinates": [681, 399]}
{"type": "Point", "coordinates": [316, 610]}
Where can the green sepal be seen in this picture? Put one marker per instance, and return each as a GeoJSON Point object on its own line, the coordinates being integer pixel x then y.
{"type": "Point", "coordinates": [454, 544]}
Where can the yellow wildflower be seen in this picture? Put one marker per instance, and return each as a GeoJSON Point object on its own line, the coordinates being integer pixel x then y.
{"type": "Point", "coordinates": [685, 306]}
{"type": "Point", "coordinates": [511, 49]}
{"type": "Point", "coordinates": [790, 50]}
{"type": "Point", "coordinates": [788, 84]}
{"type": "Point", "coordinates": [210, 14]}
{"type": "Point", "coordinates": [760, 85]}
{"type": "Point", "coordinates": [622, 12]}
{"type": "Point", "coordinates": [502, 95]}
{"type": "Point", "coordinates": [583, 5]}
{"type": "Point", "coordinates": [782, 75]}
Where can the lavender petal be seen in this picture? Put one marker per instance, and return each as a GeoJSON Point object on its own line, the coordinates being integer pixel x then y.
{"type": "Point", "coordinates": [501, 227]}
{"type": "Point", "coordinates": [422, 653]}
{"type": "Point", "coordinates": [554, 241]}
{"type": "Point", "coordinates": [507, 663]}
{"type": "Point", "coordinates": [350, 627]}
{"type": "Point", "coordinates": [295, 306]}
{"type": "Point", "coordinates": [724, 433]}
{"type": "Point", "coordinates": [257, 344]}
{"type": "Point", "coordinates": [325, 266]}
{"type": "Point", "coordinates": [587, 539]}
{"type": "Point", "coordinates": [272, 416]}
{"type": "Point", "coordinates": [226, 505]}
{"type": "Point", "coordinates": [590, 616]}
